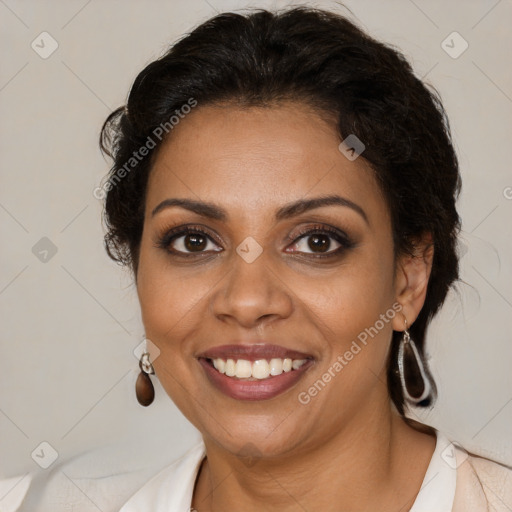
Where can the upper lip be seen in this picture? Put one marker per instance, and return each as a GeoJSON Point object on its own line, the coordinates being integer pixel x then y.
{"type": "Point", "coordinates": [253, 352]}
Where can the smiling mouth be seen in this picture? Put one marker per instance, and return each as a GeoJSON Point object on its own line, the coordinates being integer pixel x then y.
{"type": "Point", "coordinates": [260, 369]}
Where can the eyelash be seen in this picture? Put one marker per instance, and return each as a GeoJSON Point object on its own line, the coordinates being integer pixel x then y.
{"type": "Point", "coordinates": [163, 242]}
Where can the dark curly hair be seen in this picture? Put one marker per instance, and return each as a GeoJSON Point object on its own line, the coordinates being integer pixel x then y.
{"type": "Point", "coordinates": [313, 57]}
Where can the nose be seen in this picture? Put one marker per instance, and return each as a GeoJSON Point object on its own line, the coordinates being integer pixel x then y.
{"type": "Point", "coordinates": [252, 294]}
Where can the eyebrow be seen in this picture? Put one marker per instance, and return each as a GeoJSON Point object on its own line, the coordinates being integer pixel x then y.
{"type": "Point", "coordinates": [213, 211]}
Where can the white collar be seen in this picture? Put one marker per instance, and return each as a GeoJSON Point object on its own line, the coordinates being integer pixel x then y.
{"type": "Point", "coordinates": [437, 490]}
{"type": "Point", "coordinates": [172, 488]}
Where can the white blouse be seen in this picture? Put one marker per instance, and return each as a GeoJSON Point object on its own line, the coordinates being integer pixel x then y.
{"type": "Point", "coordinates": [172, 488]}
{"type": "Point", "coordinates": [455, 481]}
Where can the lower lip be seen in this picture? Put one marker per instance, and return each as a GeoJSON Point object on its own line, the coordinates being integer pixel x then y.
{"type": "Point", "coordinates": [253, 389]}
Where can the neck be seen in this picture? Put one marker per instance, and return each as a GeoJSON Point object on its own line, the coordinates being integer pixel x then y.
{"type": "Point", "coordinates": [375, 465]}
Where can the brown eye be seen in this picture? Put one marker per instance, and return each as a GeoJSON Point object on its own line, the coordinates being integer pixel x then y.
{"type": "Point", "coordinates": [195, 242]}
{"type": "Point", "coordinates": [192, 242]}
{"type": "Point", "coordinates": [187, 241]}
{"type": "Point", "coordinates": [319, 243]}
{"type": "Point", "coordinates": [316, 243]}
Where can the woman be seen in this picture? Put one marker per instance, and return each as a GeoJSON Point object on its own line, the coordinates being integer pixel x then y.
{"type": "Point", "coordinates": [284, 190]}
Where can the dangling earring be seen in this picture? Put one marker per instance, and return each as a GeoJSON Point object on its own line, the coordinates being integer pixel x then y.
{"type": "Point", "coordinates": [415, 381]}
{"type": "Point", "coordinates": [144, 387]}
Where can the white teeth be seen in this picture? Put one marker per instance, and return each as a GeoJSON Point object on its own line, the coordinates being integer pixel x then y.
{"type": "Point", "coordinates": [230, 368]}
{"type": "Point", "coordinates": [220, 365]}
{"type": "Point", "coordinates": [276, 366]}
{"type": "Point", "coordinates": [259, 369]}
{"type": "Point", "coordinates": [243, 369]}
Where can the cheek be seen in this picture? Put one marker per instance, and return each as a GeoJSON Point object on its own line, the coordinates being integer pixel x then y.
{"type": "Point", "coordinates": [164, 294]}
{"type": "Point", "coordinates": [357, 293]}
{"type": "Point", "coordinates": [356, 313]}
{"type": "Point", "coordinates": [167, 307]}
{"type": "Point", "coordinates": [173, 302]}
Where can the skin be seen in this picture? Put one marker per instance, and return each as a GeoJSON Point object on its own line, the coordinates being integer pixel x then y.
{"type": "Point", "coordinates": [347, 449]}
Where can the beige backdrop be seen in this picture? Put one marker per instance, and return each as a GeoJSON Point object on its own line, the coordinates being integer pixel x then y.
{"type": "Point", "coordinates": [69, 316]}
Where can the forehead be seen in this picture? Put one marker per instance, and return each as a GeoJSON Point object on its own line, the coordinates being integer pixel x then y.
{"type": "Point", "coordinates": [258, 158]}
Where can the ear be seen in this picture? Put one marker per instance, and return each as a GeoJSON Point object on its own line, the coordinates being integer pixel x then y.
{"type": "Point", "coordinates": [411, 280]}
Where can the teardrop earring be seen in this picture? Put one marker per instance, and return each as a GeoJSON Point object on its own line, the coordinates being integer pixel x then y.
{"type": "Point", "coordinates": [144, 389]}
{"type": "Point", "coordinates": [416, 384]}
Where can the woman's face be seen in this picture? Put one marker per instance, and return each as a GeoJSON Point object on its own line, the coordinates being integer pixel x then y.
{"type": "Point", "coordinates": [251, 278]}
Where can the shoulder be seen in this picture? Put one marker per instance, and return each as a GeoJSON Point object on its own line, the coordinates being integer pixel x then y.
{"type": "Point", "coordinates": [105, 479]}
{"type": "Point", "coordinates": [76, 484]}
{"type": "Point", "coordinates": [172, 487]}
{"type": "Point", "coordinates": [482, 483]}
